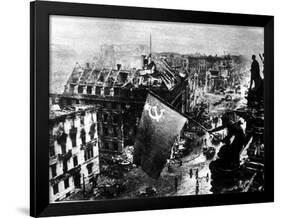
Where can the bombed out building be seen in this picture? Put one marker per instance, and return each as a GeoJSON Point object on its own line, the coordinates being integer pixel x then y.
{"type": "Point", "coordinates": [73, 149]}
{"type": "Point", "coordinates": [119, 96]}
{"type": "Point", "coordinates": [216, 72]}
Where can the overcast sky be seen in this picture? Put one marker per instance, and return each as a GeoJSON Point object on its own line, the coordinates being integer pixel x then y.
{"type": "Point", "coordinates": [85, 35]}
{"type": "Point", "coordinates": [78, 39]}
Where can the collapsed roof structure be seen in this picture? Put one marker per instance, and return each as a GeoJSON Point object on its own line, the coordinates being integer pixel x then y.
{"type": "Point", "coordinates": [155, 75]}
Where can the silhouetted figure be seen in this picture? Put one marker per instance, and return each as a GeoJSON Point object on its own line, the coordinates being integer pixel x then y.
{"type": "Point", "coordinates": [229, 153]}
{"type": "Point", "coordinates": [225, 169]}
{"type": "Point", "coordinates": [255, 73]}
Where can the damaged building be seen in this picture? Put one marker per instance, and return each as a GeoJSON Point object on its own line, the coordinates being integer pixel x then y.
{"type": "Point", "coordinates": [73, 149]}
{"type": "Point", "coordinates": [119, 92]}
{"type": "Point", "coordinates": [119, 95]}
{"type": "Point", "coordinates": [215, 73]}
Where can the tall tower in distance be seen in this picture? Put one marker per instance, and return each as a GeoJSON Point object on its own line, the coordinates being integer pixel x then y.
{"type": "Point", "coordinates": [150, 45]}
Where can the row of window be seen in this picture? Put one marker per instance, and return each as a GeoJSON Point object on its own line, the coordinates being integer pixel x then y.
{"type": "Point", "coordinates": [72, 134]}
{"type": "Point", "coordinates": [109, 91]}
{"type": "Point", "coordinates": [88, 154]}
{"type": "Point", "coordinates": [56, 186]}
{"type": "Point", "coordinates": [76, 180]}
{"type": "Point", "coordinates": [65, 166]}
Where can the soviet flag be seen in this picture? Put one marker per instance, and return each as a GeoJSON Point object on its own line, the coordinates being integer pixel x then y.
{"type": "Point", "coordinates": [158, 128]}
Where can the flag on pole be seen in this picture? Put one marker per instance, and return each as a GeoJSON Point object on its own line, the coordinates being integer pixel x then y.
{"type": "Point", "coordinates": [158, 128]}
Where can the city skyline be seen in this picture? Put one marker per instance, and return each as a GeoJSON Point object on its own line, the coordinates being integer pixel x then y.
{"type": "Point", "coordinates": [78, 39]}
{"type": "Point", "coordinates": [88, 34]}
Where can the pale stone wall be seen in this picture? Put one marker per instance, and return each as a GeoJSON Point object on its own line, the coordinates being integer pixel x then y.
{"type": "Point", "coordinates": [89, 117]}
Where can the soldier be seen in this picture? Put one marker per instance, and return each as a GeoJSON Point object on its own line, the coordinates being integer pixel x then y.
{"type": "Point", "coordinates": [229, 154]}
{"type": "Point", "coordinates": [255, 73]}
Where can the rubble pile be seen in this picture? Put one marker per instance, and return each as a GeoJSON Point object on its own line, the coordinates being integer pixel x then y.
{"type": "Point", "coordinates": [121, 178]}
{"type": "Point", "coordinates": [111, 181]}
{"type": "Point", "coordinates": [127, 155]}
{"type": "Point", "coordinates": [139, 184]}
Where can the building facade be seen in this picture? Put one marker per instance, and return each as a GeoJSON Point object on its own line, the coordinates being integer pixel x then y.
{"type": "Point", "coordinates": [73, 150]}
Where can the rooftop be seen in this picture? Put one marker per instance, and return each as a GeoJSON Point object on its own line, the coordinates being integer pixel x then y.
{"type": "Point", "coordinates": [157, 73]}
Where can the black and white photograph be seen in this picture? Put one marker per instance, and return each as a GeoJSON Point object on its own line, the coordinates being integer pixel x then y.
{"type": "Point", "coordinates": [145, 109]}
{"type": "Point", "coordinates": [140, 108]}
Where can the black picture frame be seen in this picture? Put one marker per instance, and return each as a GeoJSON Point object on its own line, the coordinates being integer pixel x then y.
{"type": "Point", "coordinates": [39, 107]}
